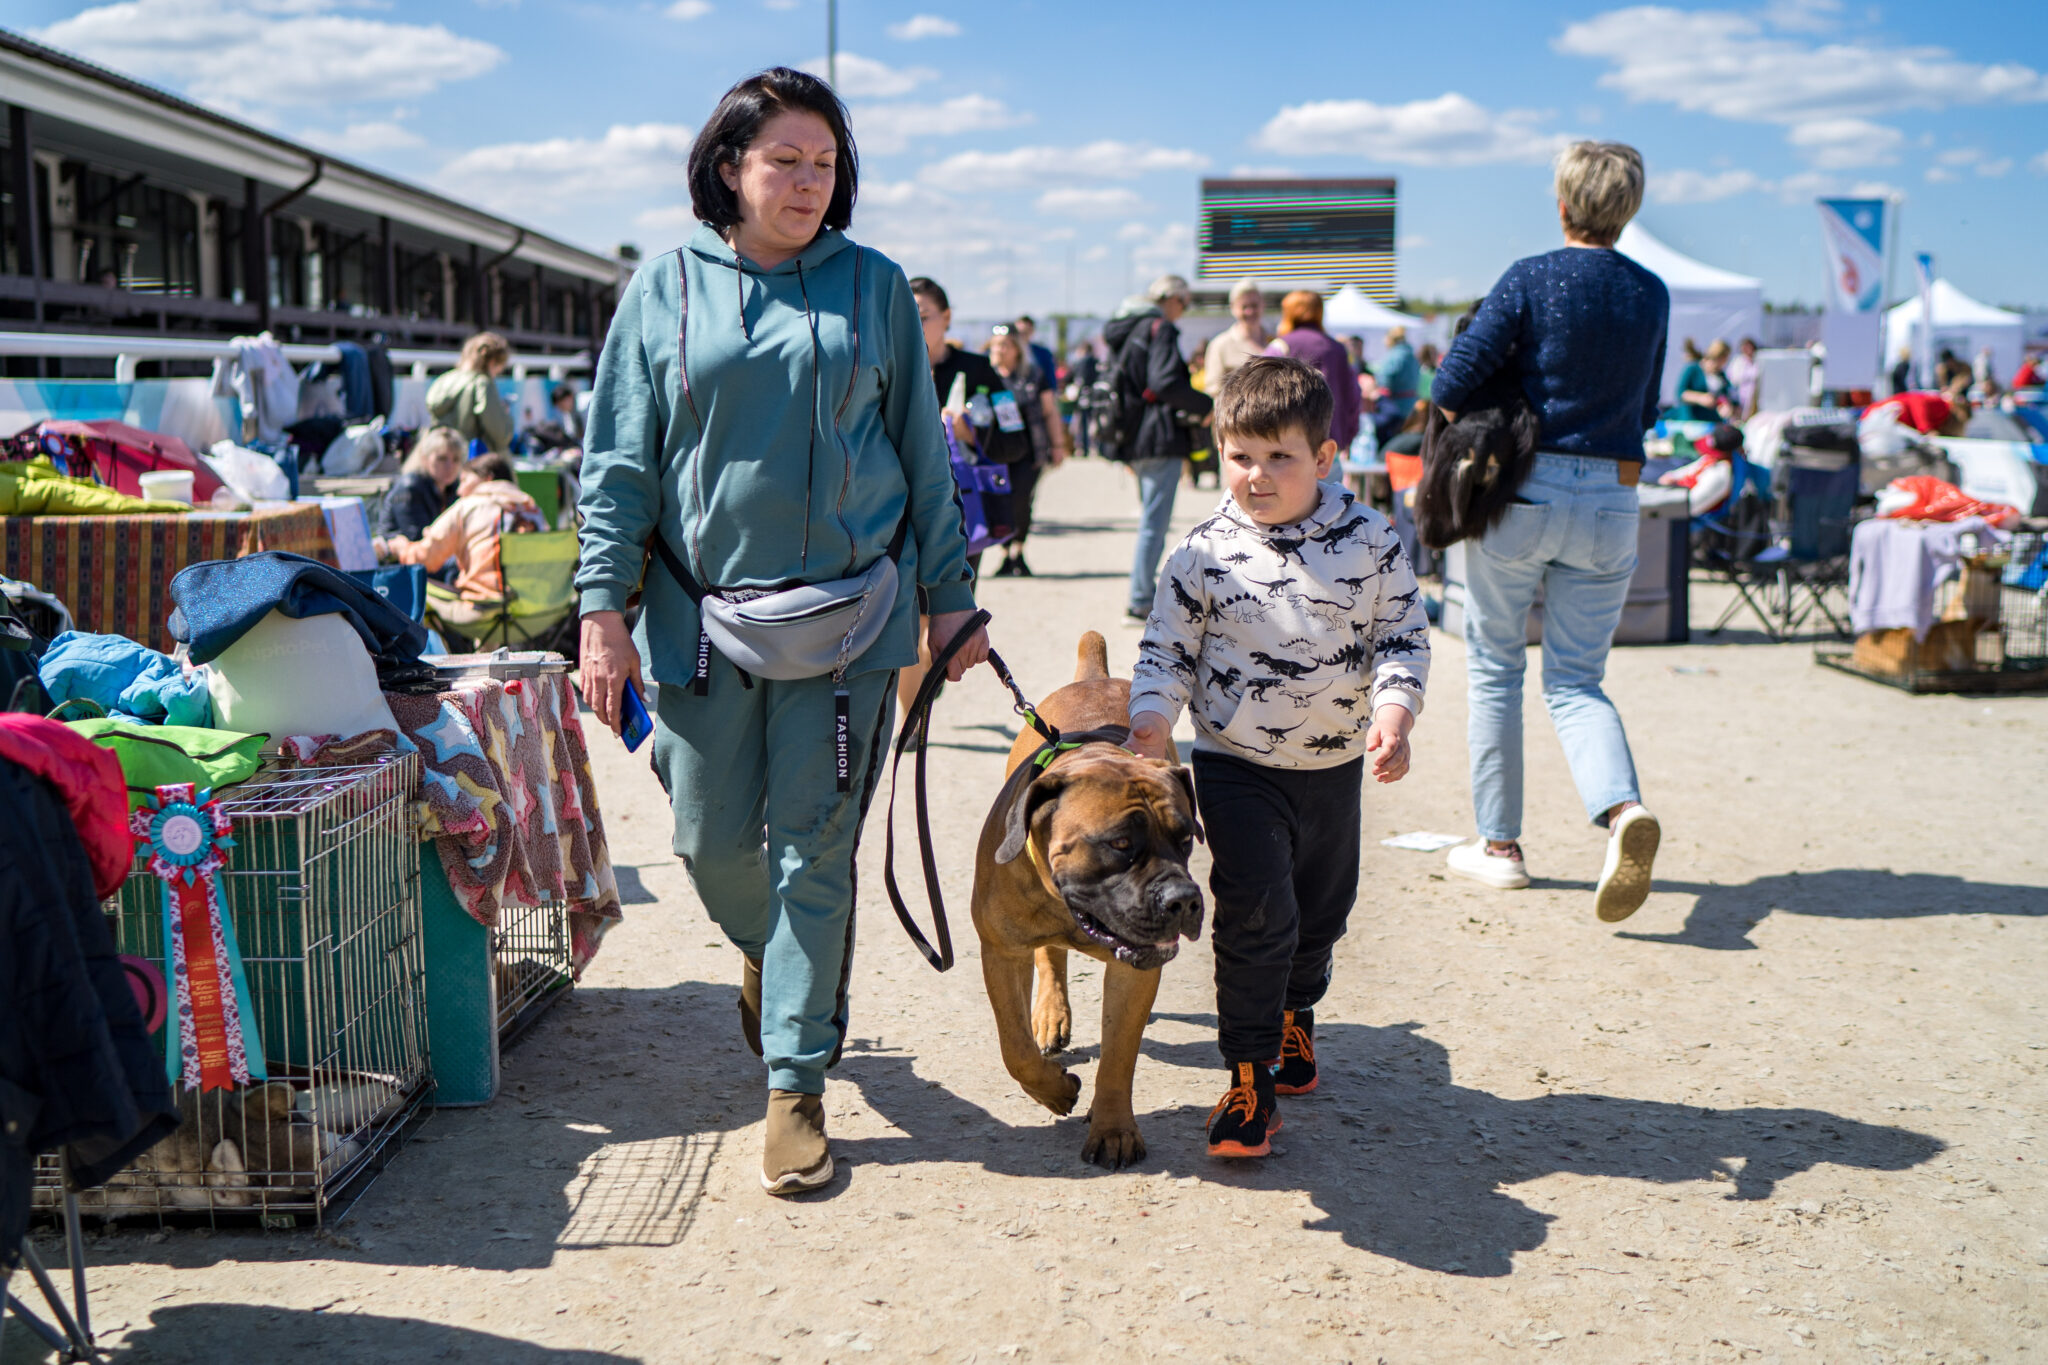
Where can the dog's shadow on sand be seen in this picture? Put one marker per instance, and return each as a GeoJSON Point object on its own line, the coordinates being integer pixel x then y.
{"type": "Point", "coordinates": [1399, 1160]}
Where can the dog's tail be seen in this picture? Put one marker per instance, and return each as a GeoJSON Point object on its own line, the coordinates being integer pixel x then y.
{"type": "Point", "coordinates": [1092, 659]}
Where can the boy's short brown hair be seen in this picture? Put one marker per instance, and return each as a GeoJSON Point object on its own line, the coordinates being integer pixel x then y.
{"type": "Point", "coordinates": [493, 466]}
{"type": "Point", "coordinates": [1272, 395]}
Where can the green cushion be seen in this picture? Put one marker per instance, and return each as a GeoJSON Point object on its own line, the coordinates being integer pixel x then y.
{"type": "Point", "coordinates": [155, 756]}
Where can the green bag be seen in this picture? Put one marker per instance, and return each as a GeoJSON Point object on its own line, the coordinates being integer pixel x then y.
{"type": "Point", "coordinates": [155, 756]}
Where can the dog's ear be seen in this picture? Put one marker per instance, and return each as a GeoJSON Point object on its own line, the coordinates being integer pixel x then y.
{"type": "Point", "coordinates": [1186, 778]}
{"type": "Point", "coordinates": [1036, 793]}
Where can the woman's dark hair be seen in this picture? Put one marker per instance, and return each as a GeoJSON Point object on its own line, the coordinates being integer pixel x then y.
{"type": "Point", "coordinates": [926, 288]}
{"type": "Point", "coordinates": [737, 121]}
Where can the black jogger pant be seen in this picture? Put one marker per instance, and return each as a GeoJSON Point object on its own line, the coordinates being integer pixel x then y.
{"type": "Point", "coordinates": [1285, 843]}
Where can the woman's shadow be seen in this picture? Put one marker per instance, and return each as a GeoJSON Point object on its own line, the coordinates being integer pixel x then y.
{"type": "Point", "coordinates": [1400, 1160]}
{"type": "Point", "coordinates": [1723, 915]}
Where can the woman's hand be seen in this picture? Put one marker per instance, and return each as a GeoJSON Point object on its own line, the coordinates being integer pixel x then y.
{"type": "Point", "coordinates": [609, 661]}
{"type": "Point", "coordinates": [1388, 738]}
{"type": "Point", "coordinates": [939, 632]}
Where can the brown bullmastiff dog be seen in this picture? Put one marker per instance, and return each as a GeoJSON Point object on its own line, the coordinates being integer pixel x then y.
{"type": "Point", "coordinates": [1089, 854]}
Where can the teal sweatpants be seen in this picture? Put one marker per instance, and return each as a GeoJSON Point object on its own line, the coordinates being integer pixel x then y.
{"type": "Point", "coordinates": [769, 839]}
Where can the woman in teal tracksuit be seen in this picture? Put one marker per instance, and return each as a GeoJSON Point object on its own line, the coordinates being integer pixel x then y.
{"type": "Point", "coordinates": [793, 435]}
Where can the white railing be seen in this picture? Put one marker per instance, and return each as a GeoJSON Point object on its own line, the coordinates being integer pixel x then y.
{"type": "Point", "coordinates": [127, 351]}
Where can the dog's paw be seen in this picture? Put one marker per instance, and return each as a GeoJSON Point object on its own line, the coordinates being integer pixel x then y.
{"type": "Point", "coordinates": [1061, 1096]}
{"type": "Point", "coordinates": [1052, 1027]}
{"type": "Point", "coordinates": [1113, 1143]}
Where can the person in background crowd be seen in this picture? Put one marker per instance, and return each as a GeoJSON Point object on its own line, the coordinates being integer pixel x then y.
{"type": "Point", "coordinates": [1427, 359]}
{"type": "Point", "coordinates": [425, 484]}
{"type": "Point", "coordinates": [1083, 369]}
{"type": "Point", "coordinates": [467, 397]}
{"type": "Point", "coordinates": [1354, 351]}
{"type": "Point", "coordinates": [806, 455]}
{"type": "Point", "coordinates": [489, 504]}
{"type": "Point", "coordinates": [1710, 478]}
{"type": "Point", "coordinates": [1902, 371]}
{"type": "Point", "coordinates": [1048, 437]}
{"type": "Point", "coordinates": [1302, 336]}
{"type": "Point", "coordinates": [1399, 372]}
{"type": "Point", "coordinates": [1244, 338]}
{"type": "Point", "coordinates": [1983, 383]}
{"type": "Point", "coordinates": [1584, 328]}
{"type": "Point", "coordinates": [1742, 378]}
{"type": "Point", "coordinates": [1048, 364]}
{"type": "Point", "coordinates": [1704, 394]}
{"type": "Point", "coordinates": [1202, 459]}
{"type": "Point", "coordinates": [561, 432]}
{"type": "Point", "coordinates": [2028, 375]}
{"type": "Point", "coordinates": [1948, 369]}
{"type": "Point", "coordinates": [1148, 368]}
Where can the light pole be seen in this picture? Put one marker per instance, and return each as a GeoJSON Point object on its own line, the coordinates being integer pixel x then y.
{"type": "Point", "coordinates": [832, 43]}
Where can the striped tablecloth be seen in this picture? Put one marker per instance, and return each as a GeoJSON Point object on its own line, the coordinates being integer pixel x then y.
{"type": "Point", "coordinates": [115, 573]}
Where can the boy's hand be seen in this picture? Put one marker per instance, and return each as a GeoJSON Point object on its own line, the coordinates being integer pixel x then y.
{"type": "Point", "coordinates": [1388, 737]}
{"type": "Point", "coordinates": [1151, 736]}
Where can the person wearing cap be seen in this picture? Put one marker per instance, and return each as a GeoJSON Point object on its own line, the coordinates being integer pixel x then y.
{"type": "Point", "coordinates": [1711, 478]}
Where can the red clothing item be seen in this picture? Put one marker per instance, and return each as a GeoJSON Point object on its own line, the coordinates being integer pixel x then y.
{"type": "Point", "coordinates": [1938, 500]}
{"type": "Point", "coordinates": [1924, 412]}
{"type": "Point", "coordinates": [89, 779]}
{"type": "Point", "coordinates": [2028, 376]}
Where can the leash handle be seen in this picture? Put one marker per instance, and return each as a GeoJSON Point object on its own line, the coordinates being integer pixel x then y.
{"type": "Point", "coordinates": [916, 731]}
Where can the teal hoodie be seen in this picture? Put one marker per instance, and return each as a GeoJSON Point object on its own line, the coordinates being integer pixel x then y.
{"type": "Point", "coordinates": [787, 461]}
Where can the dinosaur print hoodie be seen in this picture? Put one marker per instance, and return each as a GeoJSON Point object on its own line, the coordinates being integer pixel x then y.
{"type": "Point", "coordinates": [1282, 639]}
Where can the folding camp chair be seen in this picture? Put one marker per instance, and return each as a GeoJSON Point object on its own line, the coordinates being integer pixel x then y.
{"type": "Point", "coordinates": [1812, 560]}
{"type": "Point", "coordinates": [1729, 542]}
{"type": "Point", "coordinates": [538, 610]}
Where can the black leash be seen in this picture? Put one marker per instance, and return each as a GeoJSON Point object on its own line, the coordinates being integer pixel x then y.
{"type": "Point", "coordinates": [916, 731]}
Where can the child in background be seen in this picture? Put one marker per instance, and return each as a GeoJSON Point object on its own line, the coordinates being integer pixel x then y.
{"type": "Point", "coordinates": [1290, 624]}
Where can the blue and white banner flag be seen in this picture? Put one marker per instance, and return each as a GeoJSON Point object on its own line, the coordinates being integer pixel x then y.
{"type": "Point", "coordinates": [1854, 232]}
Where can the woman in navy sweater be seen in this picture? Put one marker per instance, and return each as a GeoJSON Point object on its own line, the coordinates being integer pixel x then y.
{"type": "Point", "coordinates": [1584, 327]}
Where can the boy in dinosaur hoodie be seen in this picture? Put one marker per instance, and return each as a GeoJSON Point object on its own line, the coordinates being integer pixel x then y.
{"type": "Point", "coordinates": [1290, 624]}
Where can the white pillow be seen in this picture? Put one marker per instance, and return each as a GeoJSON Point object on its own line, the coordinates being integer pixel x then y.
{"type": "Point", "coordinates": [292, 677]}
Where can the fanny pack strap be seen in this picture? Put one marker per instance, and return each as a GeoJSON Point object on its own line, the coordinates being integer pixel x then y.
{"type": "Point", "coordinates": [915, 731]}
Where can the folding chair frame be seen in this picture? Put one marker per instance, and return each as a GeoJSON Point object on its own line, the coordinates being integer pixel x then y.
{"type": "Point", "coordinates": [72, 1337]}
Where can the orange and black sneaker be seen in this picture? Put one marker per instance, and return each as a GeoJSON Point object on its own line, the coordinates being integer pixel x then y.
{"type": "Point", "coordinates": [1244, 1122]}
{"type": "Point", "coordinates": [1296, 1074]}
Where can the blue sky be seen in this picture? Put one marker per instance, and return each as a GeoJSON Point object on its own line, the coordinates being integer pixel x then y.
{"type": "Point", "coordinates": [1047, 152]}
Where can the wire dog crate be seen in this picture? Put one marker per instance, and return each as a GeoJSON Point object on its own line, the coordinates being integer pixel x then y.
{"type": "Point", "coordinates": [1990, 632]}
{"type": "Point", "coordinates": [323, 889]}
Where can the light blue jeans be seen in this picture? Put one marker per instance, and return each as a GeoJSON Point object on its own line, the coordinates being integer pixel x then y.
{"type": "Point", "coordinates": [1157, 480]}
{"type": "Point", "coordinates": [1572, 532]}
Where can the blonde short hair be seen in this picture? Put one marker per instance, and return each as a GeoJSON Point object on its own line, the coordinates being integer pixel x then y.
{"type": "Point", "coordinates": [1246, 286]}
{"type": "Point", "coordinates": [1396, 334]}
{"type": "Point", "coordinates": [1600, 185]}
{"type": "Point", "coordinates": [433, 442]}
{"type": "Point", "coordinates": [1169, 287]}
{"type": "Point", "coordinates": [484, 350]}
{"type": "Point", "coordinates": [1717, 351]}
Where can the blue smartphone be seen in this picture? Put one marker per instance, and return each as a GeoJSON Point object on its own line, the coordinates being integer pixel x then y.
{"type": "Point", "coordinates": [638, 726]}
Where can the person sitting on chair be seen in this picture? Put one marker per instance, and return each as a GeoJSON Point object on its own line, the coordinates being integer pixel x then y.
{"type": "Point", "coordinates": [489, 504]}
{"type": "Point", "coordinates": [425, 485]}
{"type": "Point", "coordinates": [1711, 478]}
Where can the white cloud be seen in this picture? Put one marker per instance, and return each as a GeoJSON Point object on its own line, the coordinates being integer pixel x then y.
{"type": "Point", "coordinates": [1100, 252]}
{"type": "Point", "coordinates": [1023, 167]}
{"type": "Point", "coordinates": [1073, 201]}
{"type": "Point", "coordinates": [687, 10]}
{"type": "Point", "coordinates": [1263, 172]}
{"type": "Point", "coordinates": [236, 53]}
{"type": "Point", "coordinates": [924, 26]}
{"type": "Point", "coordinates": [888, 128]}
{"type": "Point", "coordinates": [1960, 156]}
{"type": "Point", "coordinates": [1699, 187]}
{"type": "Point", "coordinates": [1941, 175]}
{"type": "Point", "coordinates": [1724, 63]}
{"type": "Point", "coordinates": [1156, 251]}
{"type": "Point", "coordinates": [1994, 169]}
{"type": "Point", "coordinates": [864, 78]}
{"type": "Point", "coordinates": [366, 137]}
{"type": "Point", "coordinates": [1412, 241]}
{"type": "Point", "coordinates": [1839, 143]}
{"type": "Point", "coordinates": [514, 176]}
{"type": "Point", "coordinates": [1448, 130]}
{"type": "Point", "coordinates": [2039, 164]}
{"type": "Point", "coordinates": [780, 4]}
{"type": "Point", "coordinates": [1803, 16]}
{"type": "Point", "coordinates": [671, 221]}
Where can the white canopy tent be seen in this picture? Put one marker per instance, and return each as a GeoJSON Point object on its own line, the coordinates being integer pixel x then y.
{"type": "Point", "coordinates": [1962, 325]}
{"type": "Point", "coordinates": [1707, 303]}
{"type": "Point", "coordinates": [1351, 312]}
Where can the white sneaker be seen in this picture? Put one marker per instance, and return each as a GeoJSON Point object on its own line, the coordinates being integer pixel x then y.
{"type": "Point", "coordinates": [1497, 870]}
{"type": "Point", "coordinates": [1631, 849]}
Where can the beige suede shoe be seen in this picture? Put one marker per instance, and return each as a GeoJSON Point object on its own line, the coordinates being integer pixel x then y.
{"type": "Point", "coordinates": [794, 1157]}
{"type": "Point", "coordinates": [750, 1003]}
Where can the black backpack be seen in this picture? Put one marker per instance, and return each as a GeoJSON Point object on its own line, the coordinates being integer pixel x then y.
{"type": "Point", "coordinates": [1115, 402]}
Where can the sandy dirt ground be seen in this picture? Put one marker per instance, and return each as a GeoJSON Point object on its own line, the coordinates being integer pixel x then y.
{"type": "Point", "coordinates": [1793, 1110]}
